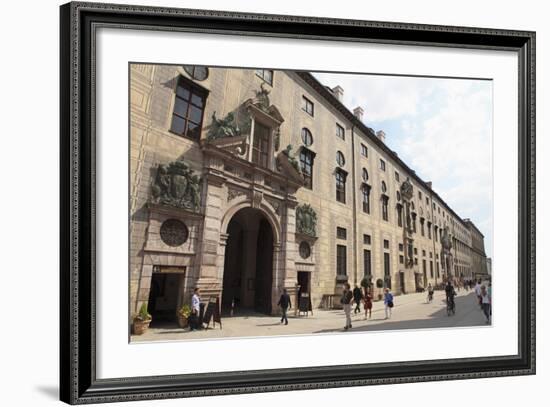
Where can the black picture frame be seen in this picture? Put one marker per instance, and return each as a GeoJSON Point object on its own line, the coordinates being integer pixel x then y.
{"type": "Point", "coordinates": [78, 382]}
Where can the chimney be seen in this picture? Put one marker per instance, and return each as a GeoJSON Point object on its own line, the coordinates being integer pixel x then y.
{"type": "Point", "coordinates": [429, 184]}
{"type": "Point", "coordinates": [358, 112]}
{"type": "Point", "coordinates": [338, 91]}
{"type": "Point", "coordinates": [381, 135]}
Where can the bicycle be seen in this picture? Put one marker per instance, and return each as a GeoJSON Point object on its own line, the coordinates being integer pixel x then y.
{"type": "Point", "coordinates": [450, 306]}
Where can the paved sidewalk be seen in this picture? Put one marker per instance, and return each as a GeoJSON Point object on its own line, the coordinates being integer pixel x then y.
{"type": "Point", "coordinates": [410, 312]}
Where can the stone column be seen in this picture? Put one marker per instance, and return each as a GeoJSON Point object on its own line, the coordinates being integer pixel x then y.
{"type": "Point", "coordinates": [208, 278]}
{"type": "Point", "coordinates": [288, 275]}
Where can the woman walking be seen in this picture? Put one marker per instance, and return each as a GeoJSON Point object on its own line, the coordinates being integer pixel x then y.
{"type": "Point", "coordinates": [368, 304]}
{"type": "Point", "coordinates": [388, 302]}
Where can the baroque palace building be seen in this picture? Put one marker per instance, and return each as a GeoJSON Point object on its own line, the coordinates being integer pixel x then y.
{"type": "Point", "coordinates": [247, 181]}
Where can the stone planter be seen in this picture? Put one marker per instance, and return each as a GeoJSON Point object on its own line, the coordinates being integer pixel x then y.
{"type": "Point", "coordinates": [183, 321]}
{"type": "Point", "coordinates": [141, 327]}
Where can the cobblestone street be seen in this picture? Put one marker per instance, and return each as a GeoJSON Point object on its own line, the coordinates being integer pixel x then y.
{"type": "Point", "coordinates": [410, 312]}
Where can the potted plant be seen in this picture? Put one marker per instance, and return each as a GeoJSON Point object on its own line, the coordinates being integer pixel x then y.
{"type": "Point", "coordinates": [379, 285]}
{"type": "Point", "coordinates": [183, 316]}
{"type": "Point", "coordinates": [142, 320]}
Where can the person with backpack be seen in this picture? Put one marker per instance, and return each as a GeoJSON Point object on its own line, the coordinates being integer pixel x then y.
{"type": "Point", "coordinates": [346, 300]}
{"type": "Point", "coordinates": [388, 302]}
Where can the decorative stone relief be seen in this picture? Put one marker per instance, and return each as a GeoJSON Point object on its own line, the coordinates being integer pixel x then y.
{"type": "Point", "coordinates": [275, 204]}
{"type": "Point", "coordinates": [176, 185]}
{"type": "Point", "coordinates": [257, 197]}
{"type": "Point", "coordinates": [407, 189]}
{"type": "Point", "coordinates": [306, 220]}
{"type": "Point", "coordinates": [174, 232]}
{"type": "Point", "coordinates": [234, 193]}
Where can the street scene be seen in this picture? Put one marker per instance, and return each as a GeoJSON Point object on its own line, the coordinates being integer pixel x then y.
{"type": "Point", "coordinates": [409, 312]}
{"type": "Point", "coordinates": [272, 202]}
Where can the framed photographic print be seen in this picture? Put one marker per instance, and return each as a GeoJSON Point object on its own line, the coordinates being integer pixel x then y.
{"type": "Point", "coordinates": [255, 203]}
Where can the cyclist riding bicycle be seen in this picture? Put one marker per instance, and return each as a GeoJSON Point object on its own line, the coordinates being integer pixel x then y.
{"type": "Point", "coordinates": [450, 296]}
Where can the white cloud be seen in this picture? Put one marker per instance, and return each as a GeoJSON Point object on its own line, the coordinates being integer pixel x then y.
{"type": "Point", "coordinates": [440, 127]}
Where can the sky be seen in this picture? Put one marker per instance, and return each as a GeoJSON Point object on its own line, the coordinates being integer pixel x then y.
{"type": "Point", "coordinates": [441, 128]}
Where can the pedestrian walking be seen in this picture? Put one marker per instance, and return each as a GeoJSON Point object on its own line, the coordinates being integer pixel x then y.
{"type": "Point", "coordinates": [285, 304]}
{"type": "Point", "coordinates": [346, 300]}
{"type": "Point", "coordinates": [388, 302]}
{"type": "Point", "coordinates": [357, 297]}
{"type": "Point", "coordinates": [194, 322]}
{"type": "Point", "coordinates": [368, 304]}
{"type": "Point", "coordinates": [486, 303]}
{"type": "Point", "coordinates": [477, 290]}
{"type": "Point", "coordinates": [430, 293]}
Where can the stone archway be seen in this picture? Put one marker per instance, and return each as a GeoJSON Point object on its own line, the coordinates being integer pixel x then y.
{"type": "Point", "coordinates": [248, 264]}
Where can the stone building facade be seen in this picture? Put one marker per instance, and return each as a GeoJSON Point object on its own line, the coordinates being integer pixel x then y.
{"type": "Point", "coordinates": [244, 182]}
{"type": "Point", "coordinates": [478, 257]}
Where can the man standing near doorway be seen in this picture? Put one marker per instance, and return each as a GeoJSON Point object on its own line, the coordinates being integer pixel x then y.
{"type": "Point", "coordinates": [285, 304]}
{"type": "Point", "coordinates": [195, 310]}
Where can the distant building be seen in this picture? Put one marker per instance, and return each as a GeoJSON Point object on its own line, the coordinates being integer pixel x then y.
{"type": "Point", "coordinates": [477, 256]}
{"type": "Point", "coordinates": [245, 182]}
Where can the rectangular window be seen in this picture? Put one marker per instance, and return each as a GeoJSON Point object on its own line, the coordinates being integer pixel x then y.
{"type": "Point", "coordinates": [341, 233]}
{"type": "Point", "coordinates": [431, 255]}
{"type": "Point", "coordinates": [424, 271]}
{"type": "Point", "coordinates": [423, 252]}
{"type": "Point", "coordinates": [400, 247]}
{"type": "Point", "coordinates": [382, 165]}
{"type": "Point", "coordinates": [387, 273]}
{"type": "Point", "coordinates": [385, 208]}
{"type": "Point", "coordinates": [364, 150]}
{"type": "Point", "coordinates": [437, 268]}
{"type": "Point", "coordinates": [366, 239]}
{"type": "Point", "coordinates": [340, 132]}
{"type": "Point", "coordinates": [416, 260]}
{"type": "Point", "coordinates": [386, 244]}
{"type": "Point", "coordinates": [367, 263]}
{"type": "Point", "coordinates": [366, 199]}
{"type": "Point", "coordinates": [341, 260]}
{"type": "Point", "coordinates": [431, 269]}
{"type": "Point", "coordinates": [422, 226]}
{"type": "Point", "coordinates": [415, 250]}
{"type": "Point", "coordinates": [266, 75]}
{"type": "Point", "coordinates": [427, 201]}
{"type": "Point", "coordinates": [419, 194]}
{"type": "Point", "coordinates": [401, 259]}
{"type": "Point", "coordinates": [396, 176]}
{"type": "Point", "coordinates": [307, 106]}
{"type": "Point", "coordinates": [340, 186]}
{"type": "Point", "coordinates": [188, 110]}
{"type": "Point", "coordinates": [429, 230]}
{"type": "Point", "coordinates": [306, 163]}
{"type": "Point", "coordinates": [399, 216]}
{"type": "Point", "coordinates": [260, 146]}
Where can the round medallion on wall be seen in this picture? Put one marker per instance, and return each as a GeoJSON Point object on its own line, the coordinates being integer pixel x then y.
{"type": "Point", "coordinates": [199, 73]}
{"type": "Point", "coordinates": [340, 160]}
{"type": "Point", "coordinates": [305, 250]}
{"type": "Point", "coordinates": [174, 232]}
{"type": "Point", "coordinates": [307, 138]}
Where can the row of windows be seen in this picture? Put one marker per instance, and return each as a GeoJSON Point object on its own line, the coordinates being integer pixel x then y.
{"type": "Point", "coordinates": [187, 119]}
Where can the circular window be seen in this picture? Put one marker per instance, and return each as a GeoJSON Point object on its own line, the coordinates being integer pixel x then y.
{"type": "Point", "coordinates": [384, 189]}
{"type": "Point", "coordinates": [174, 232]}
{"type": "Point", "coordinates": [305, 250]}
{"type": "Point", "coordinates": [199, 73]}
{"type": "Point", "coordinates": [365, 175]}
{"type": "Point", "coordinates": [398, 196]}
{"type": "Point", "coordinates": [340, 159]}
{"type": "Point", "coordinates": [307, 138]}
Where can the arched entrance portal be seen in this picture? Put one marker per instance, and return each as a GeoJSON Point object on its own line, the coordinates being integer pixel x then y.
{"type": "Point", "coordinates": [248, 265]}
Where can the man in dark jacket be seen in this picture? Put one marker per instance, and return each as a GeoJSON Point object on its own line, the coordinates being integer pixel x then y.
{"type": "Point", "coordinates": [285, 304]}
{"type": "Point", "coordinates": [357, 297]}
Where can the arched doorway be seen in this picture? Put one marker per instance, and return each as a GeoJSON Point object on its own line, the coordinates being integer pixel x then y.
{"type": "Point", "coordinates": [248, 264]}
